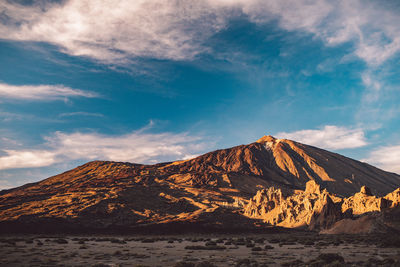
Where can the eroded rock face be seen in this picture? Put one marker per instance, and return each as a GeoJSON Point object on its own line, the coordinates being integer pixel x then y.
{"type": "Point", "coordinates": [363, 202]}
{"type": "Point", "coordinates": [299, 209]}
{"type": "Point", "coordinates": [314, 208]}
{"type": "Point", "coordinates": [393, 198]}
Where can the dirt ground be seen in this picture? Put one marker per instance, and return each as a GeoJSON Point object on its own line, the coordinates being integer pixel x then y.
{"type": "Point", "coordinates": [200, 250]}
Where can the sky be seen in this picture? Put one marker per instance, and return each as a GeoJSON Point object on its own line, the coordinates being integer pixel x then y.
{"type": "Point", "coordinates": [149, 81]}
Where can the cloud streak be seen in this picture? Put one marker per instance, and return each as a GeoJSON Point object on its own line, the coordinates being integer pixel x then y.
{"type": "Point", "coordinates": [328, 137]}
{"type": "Point", "coordinates": [386, 157]}
{"type": "Point", "coordinates": [80, 113]}
{"type": "Point", "coordinates": [41, 92]}
{"type": "Point", "coordinates": [136, 147]}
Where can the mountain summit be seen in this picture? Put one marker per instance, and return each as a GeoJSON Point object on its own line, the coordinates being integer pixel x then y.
{"type": "Point", "coordinates": [286, 163]}
{"type": "Point", "coordinates": [208, 190]}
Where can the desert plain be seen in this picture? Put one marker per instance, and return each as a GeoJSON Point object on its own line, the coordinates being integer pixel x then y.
{"type": "Point", "coordinates": [272, 249]}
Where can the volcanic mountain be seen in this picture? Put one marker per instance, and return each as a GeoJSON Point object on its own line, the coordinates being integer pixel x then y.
{"type": "Point", "coordinates": [207, 191]}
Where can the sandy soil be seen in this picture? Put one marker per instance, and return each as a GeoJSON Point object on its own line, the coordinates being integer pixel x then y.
{"type": "Point", "coordinates": [190, 250]}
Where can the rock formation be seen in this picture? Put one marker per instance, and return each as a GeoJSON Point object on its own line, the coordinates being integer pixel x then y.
{"type": "Point", "coordinates": [303, 208]}
{"type": "Point", "coordinates": [393, 198]}
{"type": "Point", "coordinates": [363, 202]}
{"type": "Point", "coordinates": [318, 210]}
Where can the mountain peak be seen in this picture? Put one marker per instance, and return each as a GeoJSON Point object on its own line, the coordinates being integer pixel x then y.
{"type": "Point", "coordinates": [266, 138]}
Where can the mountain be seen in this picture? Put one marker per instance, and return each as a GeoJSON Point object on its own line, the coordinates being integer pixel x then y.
{"type": "Point", "coordinates": [207, 191]}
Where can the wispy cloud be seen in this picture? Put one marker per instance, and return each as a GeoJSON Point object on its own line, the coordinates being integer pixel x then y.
{"type": "Point", "coordinates": [110, 32]}
{"type": "Point", "coordinates": [41, 92]}
{"type": "Point", "coordinates": [373, 28]}
{"type": "Point", "coordinates": [6, 140]}
{"type": "Point", "coordinates": [81, 113]}
{"type": "Point", "coordinates": [386, 157]}
{"type": "Point", "coordinates": [328, 137]}
{"type": "Point", "coordinates": [137, 147]}
{"type": "Point", "coordinates": [378, 103]}
{"type": "Point", "coordinates": [9, 116]}
{"type": "Point", "coordinates": [179, 29]}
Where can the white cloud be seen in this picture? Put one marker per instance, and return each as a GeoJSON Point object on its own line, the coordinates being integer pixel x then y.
{"type": "Point", "coordinates": [387, 158]}
{"type": "Point", "coordinates": [26, 159]}
{"type": "Point", "coordinates": [292, 15]}
{"type": "Point", "coordinates": [113, 31]}
{"type": "Point", "coordinates": [136, 147]}
{"type": "Point", "coordinates": [328, 137]}
{"type": "Point", "coordinates": [110, 30]}
{"type": "Point", "coordinates": [374, 30]}
{"type": "Point", "coordinates": [41, 92]}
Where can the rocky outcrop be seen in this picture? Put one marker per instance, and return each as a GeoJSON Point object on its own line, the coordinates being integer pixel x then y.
{"type": "Point", "coordinates": [313, 208]}
{"type": "Point", "coordinates": [393, 198]}
{"type": "Point", "coordinates": [363, 202]}
{"type": "Point", "coordinates": [327, 213]}
{"type": "Point", "coordinates": [303, 208]}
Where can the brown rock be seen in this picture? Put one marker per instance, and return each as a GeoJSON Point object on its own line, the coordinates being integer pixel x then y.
{"type": "Point", "coordinates": [393, 198]}
{"type": "Point", "coordinates": [365, 190]}
{"type": "Point", "coordinates": [299, 209]}
{"type": "Point", "coordinates": [313, 188]}
{"type": "Point", "coordinates": [317, 210]}
{"type": "Point", "coordinates": [327, 215]}
{"type": "Point", "coordinates": [363, 202]}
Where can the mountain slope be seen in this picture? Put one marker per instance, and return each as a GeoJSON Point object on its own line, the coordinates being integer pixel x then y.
{"type": "Point", "coordinates": [288, 164]}
{"type": "Point", "coordinates": [207, 190]}
{"type": "Point", "coordinates": [339, 174]}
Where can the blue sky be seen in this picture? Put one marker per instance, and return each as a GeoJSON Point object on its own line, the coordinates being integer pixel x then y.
{"type": "Point", "coordinates": [150, 81]}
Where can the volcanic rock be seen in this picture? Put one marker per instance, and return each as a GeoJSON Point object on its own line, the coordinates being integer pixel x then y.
{"type": "Point", "coordinates": [323, 211]}
{"type": "Point", "coordinates": [363, 202]}
{"type": "Point", "coordinates": [393, 198]}
{"type": "Point", "coordinates": [303, 208]}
